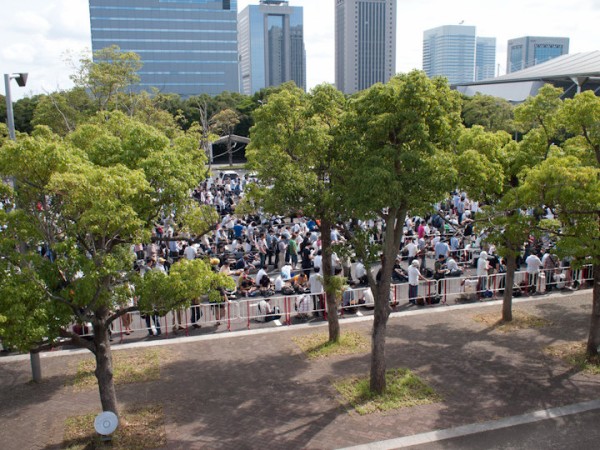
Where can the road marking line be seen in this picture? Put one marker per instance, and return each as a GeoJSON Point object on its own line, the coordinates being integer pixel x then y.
{"type": "Point", "coordinates": [466, 430]}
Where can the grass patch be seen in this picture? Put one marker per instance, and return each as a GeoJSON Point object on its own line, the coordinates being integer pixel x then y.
{"type": "Point", "coordinates": [521, 321]}
{"type": "Point", "coordinates": [317, 345]}
{"type": "Point", "coordinates": [138, 429]}
{"type": "Point", "coordinates": [128, 367]}
{"type": "Point", "coordinates": [573, 353]}
{"type": "Point", "coordinates": [403, 389]}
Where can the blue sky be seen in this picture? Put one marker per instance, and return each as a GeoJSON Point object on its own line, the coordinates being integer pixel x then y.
{"type": "Point", "coordinates": [36, 34]}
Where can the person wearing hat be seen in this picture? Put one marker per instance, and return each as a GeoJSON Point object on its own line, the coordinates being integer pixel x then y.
{"type": "Point", "coordinates": [413, 281]}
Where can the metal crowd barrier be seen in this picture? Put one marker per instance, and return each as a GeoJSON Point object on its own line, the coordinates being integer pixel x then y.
{"type": "Point", "coordinates": [244, 312]}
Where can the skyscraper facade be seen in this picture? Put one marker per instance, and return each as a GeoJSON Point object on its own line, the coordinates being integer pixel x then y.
{"type": "Point", "coordinates": [365, 43]}
{"type": "Point", "coordinates": [485, 58]}
{"type": "Point", "coordinates": [449, 51]}
{"type": "Point", "coordinates": [188, 47]}
{"type": "Point", "coordinates": [271, 45]}
{"type": "Point", "coordinates": [528, 51]}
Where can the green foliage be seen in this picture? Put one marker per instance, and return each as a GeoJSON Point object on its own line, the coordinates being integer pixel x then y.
{"type": "Point", "coordinates": [492, 113]}
{"type": "Point", "coordinates": [479, 162]}
{"type": "Point", "coordinates": [63, 111]}
{"type": "Point", "coordinates": [294, 151]}
{"type": "Point", "coordinates": [573, 192]}
{"type": "Point", "coordinates": [401, 133]}
{"type": "Point", "coordinates": [86, 199]}
{"type": "Point", "coordinates": [108, 73]}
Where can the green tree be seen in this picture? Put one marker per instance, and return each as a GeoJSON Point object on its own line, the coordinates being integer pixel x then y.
{"type": "Point", "coordinates": [492, 113]}
{"type": "Point", "coordinates": [63, 111]}
{"type": "Point", "coordinates": [86, 199]}
{"type": "Point", "coordinates": [23, 111]}
{"type": "Point", "coordinates": [296, 155]}
{"type": "Point", "coordinates": [224, 122]}
{"type": "Point", "coordinates": [508, 226]}
{"type": "Point", "coordinates": [568, 183]}
{"type": "Point", "coordinates": [109, 72]}
{"type": "Point", "coordinates": [401, 133]}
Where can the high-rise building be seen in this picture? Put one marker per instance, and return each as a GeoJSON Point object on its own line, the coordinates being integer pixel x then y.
{"type": "Point", "coordinates": [449, 51]}
{"type": "Point", "coordinates": [271, 45]}
{"type": "Point", "coordinates": [365, 43]}
{"type": "Point", "coordinates": [485, 58]}
{"type": "Point", "coordinates": [528, 51]}
{"type": "Point", "coordinates": [455, 52]}
{"type": "Point", "coordinates": [188, 47]}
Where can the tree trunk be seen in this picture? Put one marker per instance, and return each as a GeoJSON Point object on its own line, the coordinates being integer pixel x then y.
{"type": "Point", "coordinates": [330, 293]}
{"type": "Point", "coordinates": [104, 368]}
{"type": "Point", "coordinates": [509, 281]}
{"type": "Point", "coordinates": [36, 366]}
{"type": "Point", "coordinates": [378, 363]}
{"type": "Point", "coordinates": [594, 337]}
{"type": "Point", "coordinates": [391, 246]}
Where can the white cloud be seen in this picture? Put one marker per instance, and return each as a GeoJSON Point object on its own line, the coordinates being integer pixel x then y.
{"type": "Point", "coordinates": [28, 22]}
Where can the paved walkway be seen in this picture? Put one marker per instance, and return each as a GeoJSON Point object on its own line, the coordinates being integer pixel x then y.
{"type": "Point", "coordinates": [256, 389]}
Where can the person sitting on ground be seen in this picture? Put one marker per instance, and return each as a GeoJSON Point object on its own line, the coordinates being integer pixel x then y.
{"type": "Point", "coordinates": [259, 275]}
{"type": "Point", "coordinates": [453, 269]}
{"type": "Point", "coordinates": [266, 312]}
{"type": "Point", "coordinates": [245, 284]}
{"type": "Point", "coordinates": [299, 282]}
{"type": "Point", "coordinates": [286, 272]}
{"type": "Point", "coordinates": [278, 283]}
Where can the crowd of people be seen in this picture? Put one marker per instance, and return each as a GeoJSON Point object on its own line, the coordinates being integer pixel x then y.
{"type": "Point", "coordinates": [269, 255]}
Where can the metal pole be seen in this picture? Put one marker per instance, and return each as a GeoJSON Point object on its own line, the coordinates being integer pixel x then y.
{"type": "Point", "coordinates": [36, 366]}
{"type": "Point", "coordinates": [9, 109]}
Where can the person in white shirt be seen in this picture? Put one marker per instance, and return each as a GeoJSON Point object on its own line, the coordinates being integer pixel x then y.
{"type": "Point", "coordinates": [453, 269]}
{"type": "Point", "coordinates": [361, 273]}
{"type": "Point", "coordinates": [278, 283]}
{"type": "Point", "coordinates": [316, 289]}
{"type": "Point", "coordinates": [266, 312]}
{"type": "Point", "coordinates": [318, 260]}
{"type": "Point", "coordinates": [261, 273]}
{"type": "Point", "coordinates": [413, 281]}
{"type": "Point", "coordinates": [482, 272]}
{"type": "Point", "coordinates": [286, 272]}
{"type": "Point", "coordinates": [190, 252]}
{"type": "Point", "coordinates": [533, 263]}
{"type": "Point", "coordinates": [411, 249]}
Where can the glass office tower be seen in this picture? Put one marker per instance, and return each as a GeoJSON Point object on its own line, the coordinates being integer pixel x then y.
{"type": "Point", "coordinates": [271, 46]}
{"type": "Point", "coordinates": [365, 43]}
{"type": "Point", "coordinates": [528, 51]}
{"type": "Point", "coordinates": [449, 51]}
{"type": "Point", "coordinates": [188, 47]}
{"type": "Point", "coordinates": [485, 58]}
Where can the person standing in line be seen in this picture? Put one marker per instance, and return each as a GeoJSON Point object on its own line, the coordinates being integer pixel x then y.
{"type": "Point", "coordinates": [413, 281]}
{"type": "Point", "coordinates": [482, 273]}
{"type": "Point", "coordinates": [533, 263]}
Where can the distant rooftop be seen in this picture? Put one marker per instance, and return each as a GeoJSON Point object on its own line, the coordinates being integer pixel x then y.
{"type": "Point", "coordinates": [574, 73]}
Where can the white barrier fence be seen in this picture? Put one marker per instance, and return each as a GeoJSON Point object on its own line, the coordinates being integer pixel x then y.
{"type": "Point", "coordinates": [244, 312]}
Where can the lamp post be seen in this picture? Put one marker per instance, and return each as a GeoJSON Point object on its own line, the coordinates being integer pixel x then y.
{"type": "Point", "coordinates": [21, 79]}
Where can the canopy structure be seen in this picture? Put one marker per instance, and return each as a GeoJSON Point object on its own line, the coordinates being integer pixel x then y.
{"type": "Point", "coordinates": [574, 73]}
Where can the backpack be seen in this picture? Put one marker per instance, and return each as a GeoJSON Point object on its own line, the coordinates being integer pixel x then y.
{"type": "Point", "coordinates": [287, 290]}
